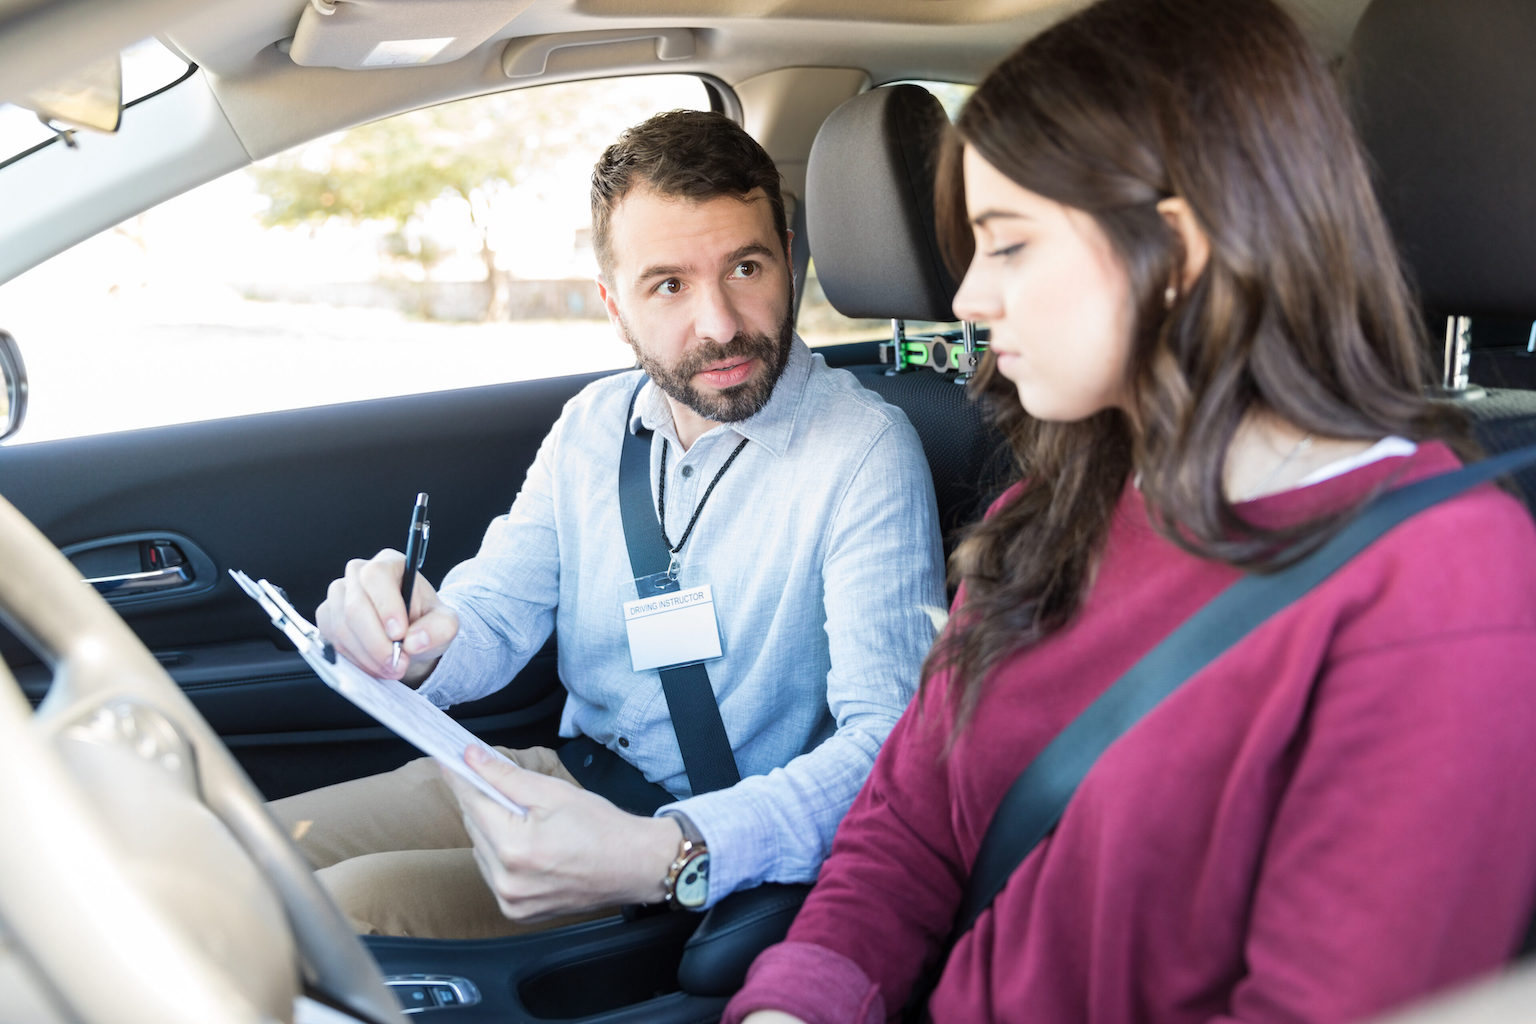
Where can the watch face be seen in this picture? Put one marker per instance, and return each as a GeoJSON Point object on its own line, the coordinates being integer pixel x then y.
{"type": "Point", "coordinates": [693, 882]}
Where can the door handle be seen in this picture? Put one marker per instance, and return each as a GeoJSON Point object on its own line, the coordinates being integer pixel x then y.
{"type": "Point", "coordinates": [141, 566]}
{"type": "Point", "coordinates": [148, 582]}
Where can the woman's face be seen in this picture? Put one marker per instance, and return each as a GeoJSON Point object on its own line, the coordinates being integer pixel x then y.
{"type": "Point", "coordinates": [1055, 295]}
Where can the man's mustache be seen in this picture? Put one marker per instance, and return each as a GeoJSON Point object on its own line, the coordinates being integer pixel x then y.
{"type": "Point", "coordinates": [743, 345]}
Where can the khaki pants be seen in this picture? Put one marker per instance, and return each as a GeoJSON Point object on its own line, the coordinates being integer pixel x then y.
{"type": "Point", "coordinates": [392, 851]}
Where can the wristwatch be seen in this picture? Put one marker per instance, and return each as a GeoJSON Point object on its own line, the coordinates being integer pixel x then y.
{"type": "Point", "coordinates": [687, 881]}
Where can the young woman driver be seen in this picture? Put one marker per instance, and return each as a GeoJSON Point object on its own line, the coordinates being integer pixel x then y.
{"type": "Point", "coordinates": [1205, 358]}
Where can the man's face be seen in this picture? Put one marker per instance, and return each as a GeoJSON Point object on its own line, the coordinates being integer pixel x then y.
{"type": "Point", "coordinates": [701, 292]}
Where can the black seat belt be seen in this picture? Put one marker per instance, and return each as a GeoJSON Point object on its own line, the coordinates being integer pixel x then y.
{"type": "Point", "coordinates": [691, 700]}
{"type": "Point", "coordinates": [1037, 799]}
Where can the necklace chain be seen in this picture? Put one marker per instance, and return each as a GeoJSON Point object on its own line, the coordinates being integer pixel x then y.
{"type": "Point", "coordinates": [1290, 456]}
{"type": "Point", "coordinates": [661, 497]}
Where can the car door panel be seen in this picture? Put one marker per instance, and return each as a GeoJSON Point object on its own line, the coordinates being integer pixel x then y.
{"type": "Point", "coordinates": [288, 496]}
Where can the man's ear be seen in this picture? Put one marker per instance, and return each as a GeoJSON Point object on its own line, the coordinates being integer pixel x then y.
{"type": "Point", "coordinates": [789, 262]}
{"type": "Point", "coordinates": [1197, 247]}
{"type": "Point", "coordinates": [609, 303]}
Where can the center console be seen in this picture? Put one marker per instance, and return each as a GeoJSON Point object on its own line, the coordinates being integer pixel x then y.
{"type": "Point", "coordinates": [667, 967]}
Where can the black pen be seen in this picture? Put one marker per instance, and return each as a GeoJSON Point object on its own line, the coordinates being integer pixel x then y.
{"type": "Point", "coordinates": [415, 554]}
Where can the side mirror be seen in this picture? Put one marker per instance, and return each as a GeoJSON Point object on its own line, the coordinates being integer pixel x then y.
{"type": "Point", "coordinates": [13, 386]}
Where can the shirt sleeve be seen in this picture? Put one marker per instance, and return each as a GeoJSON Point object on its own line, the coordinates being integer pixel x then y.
{"type": "Point", "coordinates": [505, 596]}
{"type": "Point", "coordinates": [887, 896]}
{"type": "Point", "coordinates": [883, 586]}
{"type": "Point", "coordinates": [1401, 857]}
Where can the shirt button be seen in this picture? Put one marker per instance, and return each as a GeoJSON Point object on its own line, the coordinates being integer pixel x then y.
{"type": "Point", "coordinates": [623, 742]}
{"type": "Point", "coordinates": [687, 471]}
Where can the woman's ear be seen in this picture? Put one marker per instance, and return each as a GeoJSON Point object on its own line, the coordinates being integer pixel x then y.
{"type": "Point", "coordinates": [1197, 248]}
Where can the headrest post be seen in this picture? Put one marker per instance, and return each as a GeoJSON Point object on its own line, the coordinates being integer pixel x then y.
{"type": "Point", "coordinates": [971, 359]}
{"type": "Point", "coordinates": [1458, 355]}
{"type": "Point", "coordinates": [898, 347]}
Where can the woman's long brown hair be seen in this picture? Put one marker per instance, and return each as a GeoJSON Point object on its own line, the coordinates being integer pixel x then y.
{"type": "Point", "coordinates": [1301, 310]}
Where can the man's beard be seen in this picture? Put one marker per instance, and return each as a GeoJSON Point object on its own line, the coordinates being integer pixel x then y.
{"type": "Point", "coordinates": [734, 403]}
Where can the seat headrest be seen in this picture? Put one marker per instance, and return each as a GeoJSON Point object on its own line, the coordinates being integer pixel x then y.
{"type": "Point", "coordinates": [1442, 93]}
{"type": "Point", "coordinates": [869, 206]}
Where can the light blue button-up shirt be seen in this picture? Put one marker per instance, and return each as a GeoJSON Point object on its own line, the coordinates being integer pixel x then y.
{"type": "Point", "coordinates": [821, 545]}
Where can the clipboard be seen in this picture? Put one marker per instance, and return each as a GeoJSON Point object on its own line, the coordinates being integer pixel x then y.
{"type": "Point", "coordinates": [409, 714]}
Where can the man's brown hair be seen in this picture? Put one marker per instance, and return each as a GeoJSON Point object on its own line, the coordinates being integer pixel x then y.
{"type": "Point", "coordinates": [684, 154]}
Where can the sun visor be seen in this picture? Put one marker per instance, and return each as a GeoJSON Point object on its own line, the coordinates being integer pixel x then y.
{"type": "Point", "coordinates": [360, 34]}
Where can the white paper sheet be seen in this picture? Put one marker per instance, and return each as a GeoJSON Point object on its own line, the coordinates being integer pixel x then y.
{"type": "Point", "coordinates": [402, 709]}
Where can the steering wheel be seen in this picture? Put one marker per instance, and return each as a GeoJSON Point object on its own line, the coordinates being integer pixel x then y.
{"type": "Point", "coordinates": [142, 878]}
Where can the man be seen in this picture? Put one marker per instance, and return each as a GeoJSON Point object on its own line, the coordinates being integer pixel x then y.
{"type": "Point", "coordinates": [798, 497]}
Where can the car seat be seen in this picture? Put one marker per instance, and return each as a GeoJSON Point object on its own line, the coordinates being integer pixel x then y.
{"type": "Point", "coordinates": [870, 221]}
{"type": "Point", "coordinates": [1441, 93]}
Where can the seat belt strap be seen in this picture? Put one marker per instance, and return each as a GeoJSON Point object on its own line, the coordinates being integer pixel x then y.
{"type": "Point", "coordinates": [691, 700]}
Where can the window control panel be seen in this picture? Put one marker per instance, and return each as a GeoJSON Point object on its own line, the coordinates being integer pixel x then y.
{"type": "Point", "coordinates": [419, 992]}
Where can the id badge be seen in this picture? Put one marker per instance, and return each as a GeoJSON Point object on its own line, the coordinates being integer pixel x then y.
{"type": "Point", "coordinates": [673, 628]}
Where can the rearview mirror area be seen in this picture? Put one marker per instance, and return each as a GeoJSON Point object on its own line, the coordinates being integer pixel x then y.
{"type": "Point", "coordinates": [91, 98]}
{"type": "Point", "coordinates": [13, 386]}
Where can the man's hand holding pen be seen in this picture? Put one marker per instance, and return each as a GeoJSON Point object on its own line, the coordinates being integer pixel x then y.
{"type": "Point", "coordinates": [364, 614]}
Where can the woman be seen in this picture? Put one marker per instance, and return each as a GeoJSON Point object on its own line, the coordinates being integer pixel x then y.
{"type": "Point", "coordinates": [1205, 358]}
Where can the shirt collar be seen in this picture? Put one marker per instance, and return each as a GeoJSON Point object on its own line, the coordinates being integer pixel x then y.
{"type": "Point", "coordinates": [771, 426]}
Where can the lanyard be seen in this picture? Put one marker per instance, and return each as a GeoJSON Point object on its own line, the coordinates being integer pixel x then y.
{"type": "Point", "coordinates": [661, 499]}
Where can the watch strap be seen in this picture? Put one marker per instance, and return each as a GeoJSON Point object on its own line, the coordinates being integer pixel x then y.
{"type": "Point", "coordinates": [690, 830]}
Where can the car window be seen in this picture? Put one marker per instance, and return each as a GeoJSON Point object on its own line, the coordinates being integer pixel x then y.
{"type": "Point", "coordinates": [443, 248]}
{"type": "Point", "coordinates": [821, 324]}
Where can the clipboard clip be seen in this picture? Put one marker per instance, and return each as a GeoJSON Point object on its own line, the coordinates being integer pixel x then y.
{"type": "Point", "coordinates": [284, 615]}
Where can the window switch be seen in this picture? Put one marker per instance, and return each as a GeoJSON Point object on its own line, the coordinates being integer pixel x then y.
{"type": "Point", "coordinates": [415, 997]}
{"type": "Point", "coordinates": [418, 993]}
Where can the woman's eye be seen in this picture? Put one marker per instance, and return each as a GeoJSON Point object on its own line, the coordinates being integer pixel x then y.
{"type": "Point", "coordinates": [1006, 251]}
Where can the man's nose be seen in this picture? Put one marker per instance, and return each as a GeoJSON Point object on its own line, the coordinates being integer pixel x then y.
{"type": "Point", "coordinates": [715, 316]}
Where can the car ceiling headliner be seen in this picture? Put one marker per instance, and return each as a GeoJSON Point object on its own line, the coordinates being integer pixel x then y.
{"type": "Point", "coordinates": [270, 102]}
{"type": "Point", "coordinates": [959, 40]}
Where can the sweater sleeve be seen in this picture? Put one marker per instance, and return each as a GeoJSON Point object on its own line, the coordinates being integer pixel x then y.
{"type": "Point", "coordinates": [886, 896]}
{"type": "Point", "coordinates": [809, 982]}
{"type": "Point", "coordinates": [1401, 858]}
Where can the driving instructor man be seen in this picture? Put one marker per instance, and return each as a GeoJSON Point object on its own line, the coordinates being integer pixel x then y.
{"type": "Point", "coordinates": [791, 501]}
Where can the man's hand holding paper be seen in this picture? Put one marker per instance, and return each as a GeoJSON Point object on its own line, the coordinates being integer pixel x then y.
{"type": "Point", "coordinates": [572, 852]}
{"type": "Point", "coordinates": [412, 716]}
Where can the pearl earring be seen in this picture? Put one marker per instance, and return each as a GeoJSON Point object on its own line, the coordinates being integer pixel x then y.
{"type": "Point", "coordinates": [1169, 294]}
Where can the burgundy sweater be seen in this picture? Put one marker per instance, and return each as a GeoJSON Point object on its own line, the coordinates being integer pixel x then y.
{"type": "Point", "coordinates": [1336, 816]}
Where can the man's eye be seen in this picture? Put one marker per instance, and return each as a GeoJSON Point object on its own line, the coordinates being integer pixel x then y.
{"type": "Point", "coordinates": [747, 268]}
{"type": "Point", "coordinates": [671, 286]}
